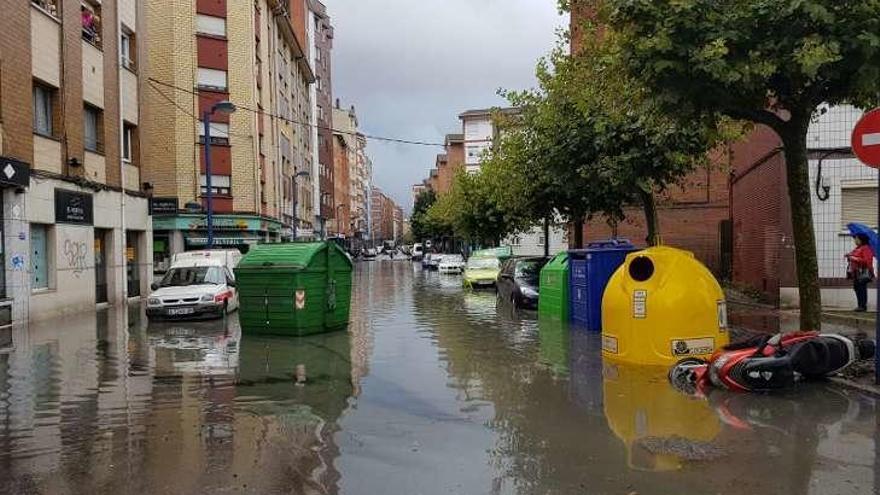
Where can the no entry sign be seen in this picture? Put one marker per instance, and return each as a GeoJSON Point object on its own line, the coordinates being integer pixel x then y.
{"type": "Point", "coordinates": [866, 139]}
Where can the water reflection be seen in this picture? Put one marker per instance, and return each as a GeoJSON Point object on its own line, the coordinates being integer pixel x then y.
{"type": "Point", "coordinates": [432, 390]}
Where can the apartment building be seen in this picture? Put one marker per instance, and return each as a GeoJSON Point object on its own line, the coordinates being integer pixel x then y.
{"type": "Point", "coordinates": [345, 150]}
{"type": "Point", "coordinates": [76, 229]}
{"type": "Point", "coordinates": [252, 54]}
{"type": "Point", "coordinates": [386, 218]}
{"type": "Point", "coordinates": [321, 43]}
{"type": "Point", "coordinates": [361, 183]}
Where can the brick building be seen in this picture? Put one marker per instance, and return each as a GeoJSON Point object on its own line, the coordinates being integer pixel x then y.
{"type": "Point", "coordinates": [253, 55]}
{"type": "Point", "coordinates": [321, 43]}
{"type": "Point", "coordinates": [843, 191]}
{"type": "Point", "coordinates": [345, 124]}
{"type": "Point", "coordinates": [386, 218]}
{"type": "Point", "coordinates": [75, 228]}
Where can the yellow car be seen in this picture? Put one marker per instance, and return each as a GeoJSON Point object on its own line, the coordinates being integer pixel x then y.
{"type": "Point", "coordinates": [481, 272]}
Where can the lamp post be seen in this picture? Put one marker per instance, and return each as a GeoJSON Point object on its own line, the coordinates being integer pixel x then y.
{"type": "Point", "coordinates": [225, 107]}
{"type": "Point", "coordinates": [304, 173]}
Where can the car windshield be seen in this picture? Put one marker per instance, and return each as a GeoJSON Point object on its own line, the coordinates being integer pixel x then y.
{"type": "Point", "coordinates": [477, 263]}
{"type": "Point", "coordinates": [452, 258]}
{"type": "Point", "coordinates": [193, 275]}
{"type": "Point", "coordinates": [528, 271]}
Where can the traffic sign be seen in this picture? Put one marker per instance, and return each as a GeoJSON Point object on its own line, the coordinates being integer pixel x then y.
{"type": "Point", "coordinates": [866, 139]}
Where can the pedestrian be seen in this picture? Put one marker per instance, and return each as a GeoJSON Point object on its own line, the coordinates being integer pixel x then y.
{"type": "Point", "coordinates": [861, 269]}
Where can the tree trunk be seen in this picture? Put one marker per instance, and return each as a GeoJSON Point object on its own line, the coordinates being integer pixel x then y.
{"type": "Point", "coordinates": [794, 138]}
{"type": "Point", "coordinates": [547, 236]}
{"type": "Point", "coordinates": [578, 227]}
{"type": "Point", "coordinates": [651, 219]}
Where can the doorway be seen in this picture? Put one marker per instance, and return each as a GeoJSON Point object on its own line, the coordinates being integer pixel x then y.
{"type": "Point", "coordinates": [132, 267]}
{"type": "Point", "coordinates": [101, 265]}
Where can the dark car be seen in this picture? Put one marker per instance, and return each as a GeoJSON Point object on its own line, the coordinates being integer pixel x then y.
{"type": "Point", "coordinates": [518, 281]}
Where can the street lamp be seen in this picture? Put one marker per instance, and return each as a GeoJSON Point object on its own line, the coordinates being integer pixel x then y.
{"type": "Point", "coordinates": [304, 173]}
{"type": "Point", "coordinates": [224, 107]}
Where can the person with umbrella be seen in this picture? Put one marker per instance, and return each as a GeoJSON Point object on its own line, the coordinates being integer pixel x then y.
{"type": "Point", "coordinates": [861, 269]}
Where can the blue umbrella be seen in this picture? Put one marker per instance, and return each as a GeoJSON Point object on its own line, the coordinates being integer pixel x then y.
{"type": "Point", "coordinates": [873, 238]}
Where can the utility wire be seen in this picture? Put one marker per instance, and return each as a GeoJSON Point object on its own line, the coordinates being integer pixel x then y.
{"type": "Point", "coordinates": [189, 112]}
{"type": "Point", "coordinates": [294, 121]}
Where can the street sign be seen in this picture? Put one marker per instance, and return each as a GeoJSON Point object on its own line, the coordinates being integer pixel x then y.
{"type": "Point", "coordinates": [866, 139]}
{"type": "Point", "coordinates": [866, 146]}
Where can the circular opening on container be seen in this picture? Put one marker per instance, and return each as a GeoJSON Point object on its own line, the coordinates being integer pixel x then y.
{"type": "Point", "coordinates": [641, 269]}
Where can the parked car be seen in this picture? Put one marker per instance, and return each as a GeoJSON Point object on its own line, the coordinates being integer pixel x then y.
{"type": "Point", "coordinates": [370, 253]}
{"type": "Point", "coordinates": [518, 281]}
{"type": "Point", "coordinates": [426, 261]}
{"type": "Point", "coordinates": [434, 261]}
{"type": "Point", "coordinates": [451, 263]}
{"type": "Point", "coordinates": [481, 271]}
{"type": "Point", "coordinates": [198, 288]}
{"type": "Point", "coordinates": [418, 252]}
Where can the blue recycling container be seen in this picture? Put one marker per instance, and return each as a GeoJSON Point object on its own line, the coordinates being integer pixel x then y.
{"type": "Point", "coordinates": [590, 270]}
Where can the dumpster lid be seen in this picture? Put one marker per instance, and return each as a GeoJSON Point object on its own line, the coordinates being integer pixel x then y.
{"type": "Point", "coordinates": [287, 255]}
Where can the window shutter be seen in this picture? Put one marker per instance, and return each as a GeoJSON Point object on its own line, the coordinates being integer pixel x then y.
{"type": "Point", "coordinates": [859, 205]}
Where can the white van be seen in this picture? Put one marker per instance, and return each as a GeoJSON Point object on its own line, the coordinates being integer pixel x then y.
{"type": "Point", "coordinates": [417, 252]}
{"type": "Point", "coordinates": [199, 284]}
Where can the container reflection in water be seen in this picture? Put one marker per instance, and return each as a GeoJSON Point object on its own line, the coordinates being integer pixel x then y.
{"type": "Point", "coordinates": [660, 427]}
{"type": "Point", "coordinates": [555, 344]}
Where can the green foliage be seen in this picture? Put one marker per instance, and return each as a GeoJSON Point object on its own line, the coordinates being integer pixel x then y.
{"type": "Point", "coordinates": [419, 224]}
{"type": "Point", "coordinates": [771, 62]}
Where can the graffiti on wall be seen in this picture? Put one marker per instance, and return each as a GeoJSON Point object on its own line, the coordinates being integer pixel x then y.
{"type": "Point", "coordinates": [76, 253]}
{"type": "Point", "coordinates": [17, 261]}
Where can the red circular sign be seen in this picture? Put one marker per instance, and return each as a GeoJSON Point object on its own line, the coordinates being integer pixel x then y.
{"type": "Point", "coordinates": [866, 139]}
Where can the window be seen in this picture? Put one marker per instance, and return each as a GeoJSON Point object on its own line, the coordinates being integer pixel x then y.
{"type": "Point", "coordinates": [53, 7]}
{"type": "Point", "coordinates": [39, 256]}
{"type": "Point", "coordinates": [212, 78]}
{"type": "Point", "coordinates": [90, 15]}
{"type": "Point", "coordinates": [318, 83]}
{"type": "Point", "coordinates": [129, 134]}
{"type": "Point", "coordinates": [859, 205]}
{"type": "Point", "coordinates": [220, 185]}
{"type": "Point", "coordinates": [219, 133]}
{"type": "Point", "coordinates": [210, 25]}
{"type": "Point", "coordinates": [92, 129]}
{"type": "Point", "coordinates": [127, 49]}
{"type": "Point", "coordinates": [320, 113]}
{"type": "Point", "coordinates": [43, 109]}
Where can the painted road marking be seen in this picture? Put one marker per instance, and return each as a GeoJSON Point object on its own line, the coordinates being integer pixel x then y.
{"type": "Point", "coordinates": [871, 139]}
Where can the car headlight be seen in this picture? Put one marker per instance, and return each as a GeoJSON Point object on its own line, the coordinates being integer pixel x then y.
{"type": "Point", "coordinates": [529, 292]}
{"type": "Point", "coordinates": [208, 298]}
{"type": "Point", "coordinates": [153, 301]}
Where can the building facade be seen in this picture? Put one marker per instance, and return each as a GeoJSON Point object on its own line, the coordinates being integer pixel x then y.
{"type": "Point", "coordinates": [76, 229]}
{"type": "Point", "coordinates": [252, 55]}
{"type": "Point", "coordinates": [843, 191]}
{"type": "Point", "coordinates": [386, 218]}
{"type": "Point", "coordinates": [321, 43]}
{"type": "Point", "coordinates": [345, 152]}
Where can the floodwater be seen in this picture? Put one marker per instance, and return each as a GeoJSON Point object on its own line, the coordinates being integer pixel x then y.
{"type": "Point", "coordinates": [433, 390]}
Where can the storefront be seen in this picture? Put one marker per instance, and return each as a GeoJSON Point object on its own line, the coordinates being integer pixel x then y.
{"type": "Point", "coordinates": [178, 232]}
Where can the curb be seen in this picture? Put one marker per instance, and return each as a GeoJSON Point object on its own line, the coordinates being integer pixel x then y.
{"type": "Point", "coordinates": [872, 390]}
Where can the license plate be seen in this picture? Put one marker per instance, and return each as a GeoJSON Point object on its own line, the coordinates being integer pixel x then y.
{"type": "Point", "coordinates": [180, 311]}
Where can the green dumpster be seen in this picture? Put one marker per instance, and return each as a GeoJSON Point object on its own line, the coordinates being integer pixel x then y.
{"type": "Point", "coordinates": [294, 289]}
{"type": "Point", "coordinates": [553, 288]}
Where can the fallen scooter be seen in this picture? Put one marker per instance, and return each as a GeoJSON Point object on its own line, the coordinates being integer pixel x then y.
{"type": "Point", "coordinates": [770, 363]}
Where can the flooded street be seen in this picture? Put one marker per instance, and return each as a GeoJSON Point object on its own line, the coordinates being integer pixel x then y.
{"type": "Point", "coordinates": [433, 390]}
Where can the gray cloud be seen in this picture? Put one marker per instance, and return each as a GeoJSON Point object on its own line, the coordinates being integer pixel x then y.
{"type": "Point", "coordinates": [411, 66]}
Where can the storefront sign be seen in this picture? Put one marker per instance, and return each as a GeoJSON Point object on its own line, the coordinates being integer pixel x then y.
{"type": "Point", "coordinates": [222, 241]}
{"type": "Point", "coordinates": [189, 222]}
{"type": "Point", "coordinates": [14, 172]}
{"type": "Point", "coordinates": [164, 206]}
{"type": "Point", "coordinates": [73, 207]}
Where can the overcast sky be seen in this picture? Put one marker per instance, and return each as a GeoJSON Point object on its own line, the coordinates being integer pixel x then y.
{"type": "Point", "coordinates": [411, 66]}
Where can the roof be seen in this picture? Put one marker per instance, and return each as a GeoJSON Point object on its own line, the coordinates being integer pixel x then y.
{"type": "Point", "coordinates": [442, 157]}
{"type": "Point", "coordinates": [454, 138]}
{"type": "Point", "coordinates": [292, 254]}
{"type": "Point", "coordinates": [485, 112]}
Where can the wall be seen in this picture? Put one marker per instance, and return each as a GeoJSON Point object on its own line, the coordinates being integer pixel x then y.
{"type": "Point", "coordinates": [72, 269]}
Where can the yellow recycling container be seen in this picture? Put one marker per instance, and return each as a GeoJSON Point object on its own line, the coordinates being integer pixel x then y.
{"type": "Point", "coordinates": [661, 306]}
{"type": "Point", "coordinates": [654, 420]}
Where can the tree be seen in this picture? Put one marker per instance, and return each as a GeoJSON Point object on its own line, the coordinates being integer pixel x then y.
{"type": "Point", "coordinates": [771, 62]}
{"type": "Point", "coordinates": [421, 229]}
{"type": "Point", "coordinates": [591, 141]}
